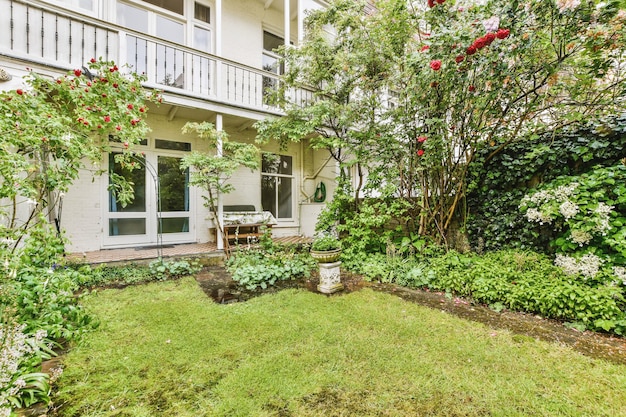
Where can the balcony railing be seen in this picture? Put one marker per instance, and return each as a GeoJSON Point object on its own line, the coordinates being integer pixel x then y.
{"type": "Point", "coordinates": [56, 37]}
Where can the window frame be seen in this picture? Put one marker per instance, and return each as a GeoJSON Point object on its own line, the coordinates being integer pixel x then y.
{"type": "Point", "coordinates": [276, 176]}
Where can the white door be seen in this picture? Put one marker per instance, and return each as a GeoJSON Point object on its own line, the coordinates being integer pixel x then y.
{"type": "Point", "coordinates": [162, 209]}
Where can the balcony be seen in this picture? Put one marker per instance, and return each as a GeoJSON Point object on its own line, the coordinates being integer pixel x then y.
{"type": "Point", "coordinates": [60, 39]}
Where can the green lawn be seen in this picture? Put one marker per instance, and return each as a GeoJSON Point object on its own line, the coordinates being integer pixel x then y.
{"type": "Point", "coordinates": [165, 349]}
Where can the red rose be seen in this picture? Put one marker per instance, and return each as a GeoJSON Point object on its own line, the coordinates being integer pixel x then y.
{"type": "Point", "coordinates": [422, 139]}
{"type": "Point", "coordinates": [480, 43]}
{"type": "Point", "coordinates": [490, 37]}
{"type": "Point", "coordinates": [118, 127]}
{"type": "Point", "coordinates": [440, 1]}
{"type": "Point", "coordinates": [104, 95]}
{"type": "Point", "coordinates": [115, 85]}
{"type": "Point", "coordinates": [420, 152]}
{"type": "Point", "coordinates": [134, 121]}
{"type": "Point", "coordinates": [425, 48]}
{"type": "Point", "coordinates": [459, 59]}
{"type": "Point", "coordinates": [431, 3]}
{"type": "Point", "coordinates": [77, 72]}
{"type": "Point", "coordinates": [435, 65]}
{"type": "Point", "coordinates": [142, 109]}
{"type": "Point", "coordinates": [130, 106]}
{"type": "Point", "coordinates": [19, 91]}
{"type": "Point", "coordinates": [471, 50]}
{"type": "Point", "coordinates": [125, 144]}
{"type": "Point", "coordinates": [107, 118]}
{"type": "Point", "coordinates": [472, 88]}
{"type": "Point", "coordinates": [502, 33]}
{"type": "Point", "coordinates": [92, 60]}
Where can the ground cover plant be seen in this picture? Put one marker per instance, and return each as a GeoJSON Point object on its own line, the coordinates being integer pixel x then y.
{"type": "Point", "coordinates": [263, 267]}
{"type": "Point", "coordinates": [512, 279]}
{"type": "Point", "coordinates": [305, 354]}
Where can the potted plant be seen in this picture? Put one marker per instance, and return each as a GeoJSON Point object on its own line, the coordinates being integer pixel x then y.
{"type": "Point", "coordinates": [326, 248]}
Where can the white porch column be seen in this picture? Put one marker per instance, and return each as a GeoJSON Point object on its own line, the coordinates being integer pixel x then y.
{"type": "Point", "coordinates": [287, 19]}
{"type": "Point", "coordinates": [218, 48]}
{"type": "Point", "coordinates": [220, 204]}
{"type": "Point", "coordinates": [300, 23]}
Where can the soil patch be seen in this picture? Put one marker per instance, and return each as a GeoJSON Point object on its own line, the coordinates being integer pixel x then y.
{"type": "Point", "coordinates": [218, 284]}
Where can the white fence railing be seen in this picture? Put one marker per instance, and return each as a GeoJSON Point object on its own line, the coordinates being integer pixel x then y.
{"type": "Point", "coordinates": [59, 38]}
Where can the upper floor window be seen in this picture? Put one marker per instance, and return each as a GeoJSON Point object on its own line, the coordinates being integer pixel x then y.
{"type": "Point", "coordinates": [147, 21]}
{"type": "Point", "coordinates": [176, 6]}
{"type": "Point", "coordinates": [81, 5]}
{"type": "Point", "coordinates": [271, 59]}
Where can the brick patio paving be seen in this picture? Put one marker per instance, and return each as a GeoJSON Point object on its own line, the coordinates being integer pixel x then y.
{"type": "Point", "coordinates": [167, 251]}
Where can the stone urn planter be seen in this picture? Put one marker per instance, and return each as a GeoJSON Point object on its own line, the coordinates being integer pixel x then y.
{"type": "Point", "coordinates": [326, 256]}
{"type": "Point", "coordinates": [326, 250]}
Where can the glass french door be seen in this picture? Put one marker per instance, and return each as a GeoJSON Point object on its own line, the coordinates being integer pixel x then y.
{"type": "Point", "coordinates": [160, 211]}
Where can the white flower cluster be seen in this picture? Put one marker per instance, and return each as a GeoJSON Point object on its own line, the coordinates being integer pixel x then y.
{"type": "Point", "coordinates": [580, 237]}
{"type": "Point", "coordinates": [602, 217]}
{"type": "Point", "coordinates": [565, 5]}
{"type": "Point", "coordinates": [14, 345]}
{"type": "Point", "coordinates": [588, 265]}
{"type": "Point", "coordinates": [568, 209]}
{"type": "Point", "coordinates": [534, 215]}
{"type": "Point", "coordinates": [560, 194]}
{"type": "Point", "coordinates": [620, 273]}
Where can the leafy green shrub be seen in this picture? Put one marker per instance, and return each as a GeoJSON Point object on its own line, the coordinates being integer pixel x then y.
{"type": "Point", "coordinates": [257, 268]}
{"type": "Point", "coordinates": [520, 281]}
{"type": "Point", "coordinates": [585, 213]}
{"type": "Point", "coordinates": [325, 242]}
{"type": "Point", "coordinates": [163, 270]}
{"type": "Point", "coordinates": [502, 173]}
{"type": "Point", "coordinates": [159, 270]}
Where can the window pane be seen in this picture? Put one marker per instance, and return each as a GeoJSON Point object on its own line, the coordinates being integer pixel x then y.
{"type": "Point", "coordinates": [271, 41]}
{"type": "Point", "coordinates": [270, 64]}
{"type": "Point", "coordinates": [172, 145]}
{"type": "Point", "coordinates": [86, 4]}
{"type": "Point", "coordinates": [174, 225]}
{"type": "Point", "coordinates": [285, 165]}
{"type": "Point", "coordinates": [284, 198]}
{"type": "Point", "coordinates": [202, 13]}
{"type": "Point", "coordinates": [125, 227]}
{"type": "Point", "coordinates": [174, 190]}
{"type": "Point", "coordinates": [138, 178]}
{"type": "Point", "coordinates": [268, 194]}
{"type": "Point", "coordinates": [170, 29]}
{"type": "Point", "coordinates": [132, 17]}
{"type": "Point", "coordinates": [270, 163]}
{"type": "Point", "coordinates": [175, 6]}
{"type": "Point", "coordinates": [202, 39]}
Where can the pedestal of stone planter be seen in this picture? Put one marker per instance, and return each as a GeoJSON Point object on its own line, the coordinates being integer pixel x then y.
{"type": "Point", "coordinates": [330, 278]}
